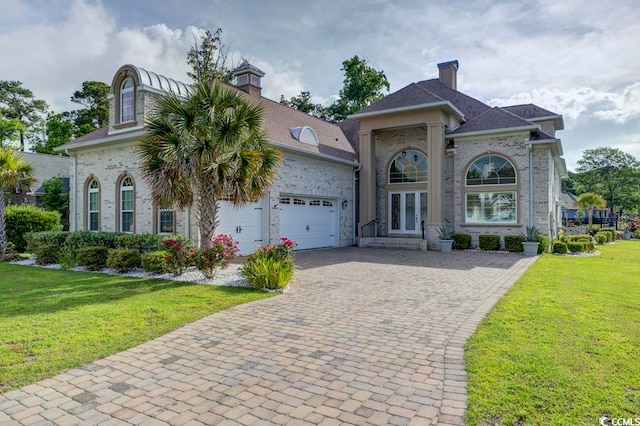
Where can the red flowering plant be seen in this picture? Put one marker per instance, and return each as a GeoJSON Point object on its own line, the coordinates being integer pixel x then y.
{"type": "Point", "coordinates": [223, 250]}
{"type": "Point", "coordinates": [271, 266]}
{"type": "Point", "coordinates": [179, 254]}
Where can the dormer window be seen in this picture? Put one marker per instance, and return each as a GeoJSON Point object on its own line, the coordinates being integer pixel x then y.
{"type": "Point", "coordinates": [304, 134]}
{"type": "Point", "coordinates": [127, 101]}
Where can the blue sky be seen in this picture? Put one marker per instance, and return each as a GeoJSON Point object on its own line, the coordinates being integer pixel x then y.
{"type": "Point", "coordinates": [576, 58]}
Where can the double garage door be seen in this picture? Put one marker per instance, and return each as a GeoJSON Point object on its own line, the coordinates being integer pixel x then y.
{"type": "Point", "coordinates": [312, 222]}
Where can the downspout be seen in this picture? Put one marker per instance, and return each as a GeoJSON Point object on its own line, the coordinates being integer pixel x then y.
{"type": "Point", "coordinates": [74, 205]}
{"type": "Point", "coordinates": [353, 208]}
{"type": "Point", "coordinates": [530, 185]}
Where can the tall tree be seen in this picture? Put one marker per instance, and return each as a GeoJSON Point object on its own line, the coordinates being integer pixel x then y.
{"type": "Point", "coordinates": [17, 102]}
{"type": "Point", "coordinates": [362, 85]}
{"type": "Point", "coordinates": [208, 58]}
{"type": "Point", "coordinates": [58, 131]}
{"type": "Point", "coordinates": [610, 173]}
{"type": "Point", "coordinates": [205, 147]}
{"type": "Point", "coordinates": [589, 201]}
{"type": "Point", "coordinates": [14, 172]}
{"type": "Point", "coordinates": [95, 114]}
{"type": "Point", "coordinates": [10, 131]}
{"type": "Point", "coordinates": [303, 103]}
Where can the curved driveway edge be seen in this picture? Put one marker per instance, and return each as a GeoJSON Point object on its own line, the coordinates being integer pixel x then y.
{"type": "Point", "coordinates": [366, 336]}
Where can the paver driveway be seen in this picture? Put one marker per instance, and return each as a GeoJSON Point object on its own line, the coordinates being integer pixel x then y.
{"type": "Point", "coordinates": [366, 337]}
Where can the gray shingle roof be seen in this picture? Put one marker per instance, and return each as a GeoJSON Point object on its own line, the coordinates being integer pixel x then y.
{"type": "Point", "coordinates": [530, 111]}
{"type": "Point", "coordinates": [492, 119]}
{"type": "Point", "coordinates": [411, 95]}
{"type": "Point", "coordinates": [46, 167]}
{"type": "Point", "coordinates": [469, 106]}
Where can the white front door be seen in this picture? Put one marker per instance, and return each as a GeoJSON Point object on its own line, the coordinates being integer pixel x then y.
{"type": "Point", "coordinates": [407, 212]}
{"type": "Point", "coordinates": [244, 224]}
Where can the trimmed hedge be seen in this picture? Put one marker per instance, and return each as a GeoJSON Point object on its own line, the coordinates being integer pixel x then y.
{"type": "Point", "coordinates": [602, 237]}
{"type": "Point", "coordinates": [46, 238]}
{"type": "Point", "coordinates": [81, 239]}
{"type": "Point", "coordinates": [124, 259]}
{"type": "Point", "coordinates": [46, 255]}
{"type": "Point", "coordinates": [560, 247]}
{"type": "Point", "coordinates": [577, 246]}
{"type": "Point", "coordinates": [94, 257]}
{"type": "Point", "coordinates": [611, 231]}
{"type": "Point", "coordinates": [25, 218]}
{"type": "Point", "coordinates": [141, 242]}
{"type": "Point", "coordinates": [513, 243]}
{"type": "Point", "coordinates": [489, 242]}
{"type": "Point", "coordinates": [461, 241]}
{"type": "Point", "coordinates": [545, 243]}
{"type": "Point", "coordinates": [154, 262]}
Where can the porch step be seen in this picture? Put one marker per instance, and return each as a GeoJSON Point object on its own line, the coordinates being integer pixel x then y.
{"type": "Point", "coordinates": [393, 243]}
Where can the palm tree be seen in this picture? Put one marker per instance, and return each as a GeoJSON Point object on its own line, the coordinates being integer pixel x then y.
{"type": "Point", "coordinates": [589, 201]}
{"type": "Point", "coordinates": [14, 173]}
{"type": "Point", "coordinates": [206, 147]}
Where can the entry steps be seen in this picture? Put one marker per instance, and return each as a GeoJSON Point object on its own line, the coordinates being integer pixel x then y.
{"type": "Point", "coordinates": [393, 243]}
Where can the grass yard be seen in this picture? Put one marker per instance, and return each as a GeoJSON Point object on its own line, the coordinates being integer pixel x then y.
{"type": "Point", "coordinates": [562, 347]}
{"type": "Point", "coordinates": [52, 320]}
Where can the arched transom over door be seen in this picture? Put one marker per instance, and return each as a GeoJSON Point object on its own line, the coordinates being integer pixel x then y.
{"type": "Point", "coordinates": [407, 204]}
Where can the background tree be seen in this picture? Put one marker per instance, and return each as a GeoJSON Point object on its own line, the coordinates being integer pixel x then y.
{"type": "Point", "coordinates": [589, 201]}
{"type": "Point", "coordinates": [567, 183]}
{"type": "Point", "coordinates": [58, 130]}
{"type": "Point", "coordinates": [53, 198]}
{"type": "Point", "coordinates": [10, 131]}
{"type": "Point", "coordinates": [362, 86]}
{"type": "Point", "coordinates": [95, 114]}
{"type": "Point", "coordinates": [208, 58]}
{"type": "Point", "coordinates": [14, 172]}
{"type": "Point", "coordinates": [205, 147]}
{"type": "Point", "coordinates": [17, 102]}
{"type": "Point", "coordinates": [612, 174]}
{"type": "Point", "coordinates": [303, 103]}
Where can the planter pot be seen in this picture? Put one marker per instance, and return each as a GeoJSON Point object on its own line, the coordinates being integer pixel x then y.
{"type": "Point", "coordinates": [446, 245]}
{"type": "Point", "coordinates": [530, 248]}
{"type": "Point", "coordinates": [627, 234]}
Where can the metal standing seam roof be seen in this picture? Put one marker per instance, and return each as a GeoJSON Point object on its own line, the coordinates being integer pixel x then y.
{"type": "Point", "coordinates": [160, 82]}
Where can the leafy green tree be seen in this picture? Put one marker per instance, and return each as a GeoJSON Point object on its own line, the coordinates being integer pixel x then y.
{"type": "Point", "coordinates": [362, 86]}
{"type": "Point", "coordinates": [204, 147]}
{"type": "Point", "coordinates": [10, 131]}
{"type": "Point", "coordinates": [58, 131]}
{"type": "Point", "coordinates": [95, 114]}
{"type": "Point", "coordinates": [567, 184]}
{"type": "Point", "coordinates": [208, 58]}
{"type": "Point", "coordinates": [14, 172]}
{"type": "Point", "coordinates": [303, 103]}
{"type": "Point", "coordinates": [610, 173]}
{"type": "Point", "coordinates": [589, 201]}
{"type": "Point", "coordinates": [54, 199]}
{"type": "Point", "coordinates": [19, 103]}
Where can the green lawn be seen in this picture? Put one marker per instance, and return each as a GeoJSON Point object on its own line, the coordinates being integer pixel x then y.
{"type": "Point", "coordinates": [562, 347]}
{"type": "Point", "coordinates": [52, 320]}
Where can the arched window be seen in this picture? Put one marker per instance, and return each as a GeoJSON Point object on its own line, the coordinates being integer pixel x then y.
{"type": "Point", "coordinates": [93, 205]}
{"type": "Point", "coordinates": [409, 166]}
{"type": "Point", "coordinates": [126, 204]}
{"type": "Point", "coordinates": [126, 100]}
{"type": "Point", "coordinates": [497, 202]}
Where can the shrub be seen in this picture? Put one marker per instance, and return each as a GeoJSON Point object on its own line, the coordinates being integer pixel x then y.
{"type": "Point", "coordinates": [577, 246]}
{"type": "Point", "coordinates": [573, 238]}
{"type": "Point", "coordinates": [179, 252]}
{"type": "Point", "coordinates": [611, 231]}
{"type": "Point", "coordinates": [25, 218]}
{"type": "Point", "coordinates": [461, 241]}
{"type": "Point", "coordinates": [67, 260]}
{"type": "Point", "coordinates": [45, 238]}
{"type": "Point", "coordinates": [46, 255]}
{"type": "Point", "coordinates": [153, 261]}
{"type": "Point", "coordinates": [602, 237]}
{"type": "Point", "coordinates": [271, 266]}
{"type": "Point", "coordinates": [560, 247]}
{"type": "Point", "coordinates": [223, 249]}
{"type": "Point", "coordinates": [489, 242]}
{"type": "Point", "coordinates": [81, 239]}
{"type": "Point", "coordinates": [544, 244]}
{"type": "Point", "coordinates": [141, 242]}
{"type": "Point", "coordinates": [513, 243]}
{"type": "Point", "coordinates": [94, 258]}
{"type": "Point", "coordinates": [123, 260]}
{"type": "Point", "coordinates": [619, 235]}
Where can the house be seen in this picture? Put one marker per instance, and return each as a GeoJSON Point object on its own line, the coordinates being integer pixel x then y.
{"type": "Point", "coordinates": [569, 209]}
{"type": "Point", "coordinates": [432, 155]}
{"type": "Point", "coordinates": [311, 201]}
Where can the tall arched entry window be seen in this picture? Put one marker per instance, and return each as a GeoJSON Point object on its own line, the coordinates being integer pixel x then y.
{"type": "Point", "coordinates": [407, 178]}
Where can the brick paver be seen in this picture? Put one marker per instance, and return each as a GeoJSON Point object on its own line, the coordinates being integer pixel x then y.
{"type": "Point", "coordinates": [364, 336]}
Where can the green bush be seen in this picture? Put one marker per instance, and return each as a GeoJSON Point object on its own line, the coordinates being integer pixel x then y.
{"type": "Point", "coordinates": [611, 231]}
{"type": "Point", "coordinates": [94, 257]}
{"type": "Point", "coordinates": [545, 242]}
{"type": "Point", "coordinates": [560, 247]}
{"type": "Point", "coordinates": [270, 267]}
{"type": "Point", "coordinates": [45, 238]}
{"type": "Point", "coordinates": [153, 261]}
{"type": "Point", "coordinates": [67, 260]}
{"type": "Point", "coordinates": [577, 246]}
{"type": "Point", "coordinates": [585, 237]}
{"type": "Point", "coordinates": [461, 241]}
{"type": "Point", "coordinates": [602, 237]}
{"type": "Point", "coordinates": [81, 239]}
{"type": "Point", "coordinates": [513, 243]}
{"type": "Point", "coordinates": [25, 218]}
{"type": "Point", "coordinates": [46, 255]}
{"type": "Point", "coordinates": [123, 260]}
{"type": "Point", "coordinates": [489, 242]}
{"type": "Point", "coordinates": [141, 242]}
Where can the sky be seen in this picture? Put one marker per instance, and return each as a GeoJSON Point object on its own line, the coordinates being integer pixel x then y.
{"type": "Point", "coordinates": [580, 59]}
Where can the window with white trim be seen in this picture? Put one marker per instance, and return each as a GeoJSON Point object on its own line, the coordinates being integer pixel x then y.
{"type": "Point", "coordinates": [491, 191]}
{"type": "Point", "coordinates": [126, 205]}
{"type": "Point", "coordinates": [166, 219]}
{"type": "Point", "coordinates": [127, 101]}
{"type": "Point", "coordinates": [93, 206]}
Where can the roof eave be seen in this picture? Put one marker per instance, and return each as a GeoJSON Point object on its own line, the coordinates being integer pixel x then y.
{"type": "Point", "coordinates": [446, 104]}
{"type": "Point", "coordinates": [115, 138]}
{"type": "Point", "coordinates": [491, 132]}
{"type": "Point", "coordinates": [285, 147]}
{"type": "Point", "coordinates": [554, 144]}
{"type": "Point", "coordinates": [558, 120]}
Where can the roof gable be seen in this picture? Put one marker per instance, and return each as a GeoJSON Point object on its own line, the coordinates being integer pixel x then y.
{"type": "Point", "coordinates": [411, 95]}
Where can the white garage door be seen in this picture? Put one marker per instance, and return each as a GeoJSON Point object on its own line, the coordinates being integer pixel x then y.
{"type": "Point", "coordinates": [244, 224]}
{"type": "Point", "coordinates": [312, 222]}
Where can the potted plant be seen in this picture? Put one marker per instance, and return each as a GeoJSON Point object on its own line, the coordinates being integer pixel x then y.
{"type": "Point", "coordinates": [530, 243]}
{"type": "Point", "coordinates": [446, 238]}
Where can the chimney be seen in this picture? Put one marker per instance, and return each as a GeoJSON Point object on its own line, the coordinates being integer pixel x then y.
{"type": "Point", "coordinates": [248, 79]}
{"type": "Point", "coordinates": [448, 74]}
